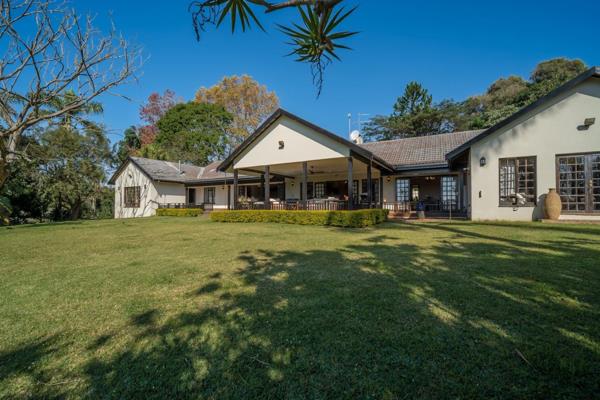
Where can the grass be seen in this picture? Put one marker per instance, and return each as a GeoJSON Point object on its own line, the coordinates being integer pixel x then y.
{"type": "Point", "coordinates": [188, 308]}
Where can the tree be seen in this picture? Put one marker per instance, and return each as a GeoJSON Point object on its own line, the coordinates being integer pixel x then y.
{"type": "Point", "coordinates": [416, 99]}
{"type": "Point", "coordinates": [49, 49]}
{"type": "Point", "coordinates": [155, 108]}
{"type": "Point", "coordinates": [414, 114]}
{"type": "Point", "coordinates": [72, 164]}
{"type": "Point", "coordinates": [249, 102]}
{"type": "Point", "coordinates": [314, 39]}
{"type": "Point", "coordinates": [129, 145]}
{"type": "Point", "coordinates": [194, 132]}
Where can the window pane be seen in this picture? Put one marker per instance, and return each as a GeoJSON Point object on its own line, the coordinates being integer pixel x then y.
{"type": "Point", "coordinates": [402, 190]}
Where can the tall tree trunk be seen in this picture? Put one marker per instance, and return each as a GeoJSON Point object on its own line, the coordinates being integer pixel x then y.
{"type": "Point", "coordinates": [75, 210]}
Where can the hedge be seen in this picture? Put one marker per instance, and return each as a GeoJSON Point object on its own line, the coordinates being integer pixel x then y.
{"type": "Point", "coordinates": [350, 219]}
{"type": "Point", "coordinates": [179, 212]}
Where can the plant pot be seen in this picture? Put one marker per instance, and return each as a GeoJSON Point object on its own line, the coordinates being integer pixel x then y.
{"type": "Point", "coordinates": [406, 214]}
{"type": "Point", "coordinates": [552, 205]}
{"type": "Point", "coordinates": [421, 214]}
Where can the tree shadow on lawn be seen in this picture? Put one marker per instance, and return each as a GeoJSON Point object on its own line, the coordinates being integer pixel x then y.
{"type": "Point", "coordinates": [468, 316]}
{"type": "Point", "coordinates": [472, 317]}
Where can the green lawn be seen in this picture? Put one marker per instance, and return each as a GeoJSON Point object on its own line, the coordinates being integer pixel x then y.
{"type": "Point", "coordinates": [187, 308]}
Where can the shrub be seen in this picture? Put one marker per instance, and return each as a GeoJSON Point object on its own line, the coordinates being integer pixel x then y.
{"type": "Point", "coordinates": [179, 212]}
{"type": "Point", "coordinates": [349, 219]}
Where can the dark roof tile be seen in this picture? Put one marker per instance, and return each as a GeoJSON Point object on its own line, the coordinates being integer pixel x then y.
{"type": "Point", "coordinates": [421, 150]}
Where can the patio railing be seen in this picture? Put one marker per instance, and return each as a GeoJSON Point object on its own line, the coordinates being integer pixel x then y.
{"type": "Point", "coordinates": [180, 205]}
{"type": "Point", "coordinates": [310, 205]}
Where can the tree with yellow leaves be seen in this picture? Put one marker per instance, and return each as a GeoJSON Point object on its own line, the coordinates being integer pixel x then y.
{"type": "Point", "coordinates": [249, 102]}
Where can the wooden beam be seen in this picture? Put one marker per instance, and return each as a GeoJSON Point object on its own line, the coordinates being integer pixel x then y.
{"type": "Point", "coordinates": [267, 183]}
{"type": "Point", "coordinates": [304, 194]}
{"type": "Point", "coordinates": [369, 186]}
{"type": "Point", "coordinates": [235, 189]}
{"type": "Point", "coordinates": [350, 184]}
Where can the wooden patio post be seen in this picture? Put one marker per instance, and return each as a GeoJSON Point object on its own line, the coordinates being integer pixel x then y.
{"type": "Point", "coordinates": [228, 195]}
{"type": "Point", "coordinates": [380, 190]}
{"type": "Point", "coordinates": [350, 181]}
{"type": "Point", "coordinates": [304, 194]}
{"type": "Point", "coordinates": [267, 183]}
{"type": "Point", "coordinates": [235, 189]}
{"type": "Point", "coordinates": [369, 186]}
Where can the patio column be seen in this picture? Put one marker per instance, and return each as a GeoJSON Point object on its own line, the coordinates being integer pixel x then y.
{"type": "Point", "coordinates": [369, 186]}
{"type": "Point", "coordinates": [267, 183]}
{"type": "Point", "coordinates": [350, 191]}
{"type": "Point", "coordinates": [235, 189]}
{"type": "Point", "coordinates": [380, 191]}
{"type": "Point", "coordinates": [304, 194]}
{"type": "Point", "coordinates": [228, 195]}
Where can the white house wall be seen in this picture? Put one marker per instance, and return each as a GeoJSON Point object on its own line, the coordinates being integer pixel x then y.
{"type": "Point", "coordinates": [301, 143]}
{"type": "Point", "coordinates": [545, 133]}
{"type": "Point", "coordinates": [133, 176]}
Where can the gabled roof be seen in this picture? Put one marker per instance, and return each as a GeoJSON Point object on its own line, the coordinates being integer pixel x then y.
{"type": "Point", "coordinates": [593, 72]}
{"type": "Point", "coordinates": [158, 170]}
{"type": "Point", "coordinates": [421, 151]}
{"type": "Point", "coordinates": [168, 171]}
{"type": "Point", "coordinates": [356, 149]}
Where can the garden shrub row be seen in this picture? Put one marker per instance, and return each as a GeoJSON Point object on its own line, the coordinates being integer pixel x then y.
{"type": "Point", "coordinates": [349, 219]}
{"type": "Point", "coordinates": [179, 212]}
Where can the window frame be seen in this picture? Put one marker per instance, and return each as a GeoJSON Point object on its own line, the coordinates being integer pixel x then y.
{"type": "Point", "coordinates": [529, 204]}
{"type": "Point", "coordinates": [137, 194]}
{"type": "Point", "coordinates": [407, 190]}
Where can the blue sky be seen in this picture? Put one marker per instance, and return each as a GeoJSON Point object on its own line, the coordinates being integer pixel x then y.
{"type": "Point", "coordinates": [455, 49]}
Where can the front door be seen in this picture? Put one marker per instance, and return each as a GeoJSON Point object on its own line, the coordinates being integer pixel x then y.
{"type": "Point", "coordinates": [191, 196]}
{"type": "Point", "coordinates": [578, 181]}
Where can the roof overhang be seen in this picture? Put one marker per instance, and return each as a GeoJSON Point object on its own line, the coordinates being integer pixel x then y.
{"type": "Point", "coordinates": [593, 72]}
{"type": "Point", "coordinates": [355, 150]}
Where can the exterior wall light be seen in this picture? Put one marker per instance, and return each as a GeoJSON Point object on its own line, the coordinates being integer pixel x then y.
{"type": "Point", "coordinates": [388, 179]}
{"type": "Point", "coordinates": [482, 162]}
{"type": "Point", "coordinates": [586, 124]}
{"type": "Point", "coordinates": [281, 145]}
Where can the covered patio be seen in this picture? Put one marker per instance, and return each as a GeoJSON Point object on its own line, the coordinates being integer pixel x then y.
{"type": "Point", "coordinates": [320, 170]}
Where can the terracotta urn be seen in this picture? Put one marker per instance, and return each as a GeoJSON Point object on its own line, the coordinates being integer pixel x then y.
{"type": "Point", "coordinates": [552, 204]}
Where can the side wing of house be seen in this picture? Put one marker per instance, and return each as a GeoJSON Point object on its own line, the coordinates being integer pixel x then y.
{"type": "Point", "coordinates": [554, 145]}
{"type": "Point", "coordinates": [137, 195]}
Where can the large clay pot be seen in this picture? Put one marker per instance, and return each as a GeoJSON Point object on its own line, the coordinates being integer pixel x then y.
{"type": "Point", "coordinates": [552, 204]}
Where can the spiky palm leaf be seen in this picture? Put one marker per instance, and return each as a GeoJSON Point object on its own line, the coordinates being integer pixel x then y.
{"type": "Point", "coordinates": [316, 42]}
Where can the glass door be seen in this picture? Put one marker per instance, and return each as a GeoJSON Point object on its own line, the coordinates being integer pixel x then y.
{"type": "Point", "coordinates": [578, 179]}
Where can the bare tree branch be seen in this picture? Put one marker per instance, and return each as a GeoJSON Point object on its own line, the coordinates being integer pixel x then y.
{"type": "Point", "coordinates": [65, 52]}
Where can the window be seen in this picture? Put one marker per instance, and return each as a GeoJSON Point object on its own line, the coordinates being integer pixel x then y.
{"type": "Point", "coordinates": [517, 182]}
{"type": "Point", "coordinates": [375, 188]}
{"type": "Point", "coordinates": [402, 190]}
{"type": "Point", "coordinates": [132, 196]}
{"type": "Point", "coordinates": [319, 190]}
{"type": "Point", "coordinates": [355, 191]}
{"type": "Point", "coordinates": [449, 193]}
{"type": "Point", "coordinates": [209, 195]}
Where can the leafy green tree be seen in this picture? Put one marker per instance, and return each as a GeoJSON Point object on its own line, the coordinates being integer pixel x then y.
{"type": "Point", "coordinates": [414, 114]}
{"type": "Point", "coordinates": [194, 132]}
{"type": "Point", "coordinates": [72, 164]}
{"type": "Point", "coordinates": [129, 145]}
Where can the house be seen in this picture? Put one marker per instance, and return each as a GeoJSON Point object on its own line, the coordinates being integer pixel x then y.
{"type": "Point", "coordinates": [500, 173]}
